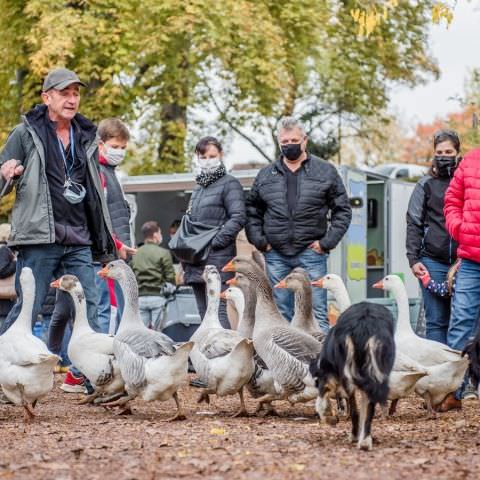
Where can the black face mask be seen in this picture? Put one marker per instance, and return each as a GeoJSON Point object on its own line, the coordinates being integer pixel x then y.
{"type": "Point", "coordinates": [445, 166]}
{"type": "Point", "coordinates": [292, 151]}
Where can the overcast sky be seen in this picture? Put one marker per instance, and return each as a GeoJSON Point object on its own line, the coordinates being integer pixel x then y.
{"type": "Point", "coordinates": [456, 50]}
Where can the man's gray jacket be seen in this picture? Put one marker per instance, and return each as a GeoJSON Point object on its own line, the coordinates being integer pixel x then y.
{"type": "Point", "coordinates": [32, 215]}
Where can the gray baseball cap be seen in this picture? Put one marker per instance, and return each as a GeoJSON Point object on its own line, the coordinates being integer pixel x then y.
{"type": "Point", "coordinates": [61, 78]}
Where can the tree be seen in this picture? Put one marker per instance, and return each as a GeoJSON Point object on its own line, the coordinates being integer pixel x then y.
{"type": "Point", "coordinates": [162, 65]}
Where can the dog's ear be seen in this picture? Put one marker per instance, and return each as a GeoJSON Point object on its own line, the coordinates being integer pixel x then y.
{"type": "Point", "coordinates": [259, 260]}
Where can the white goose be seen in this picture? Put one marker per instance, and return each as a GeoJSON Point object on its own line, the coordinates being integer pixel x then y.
{"type": "Point", "coordinates": [286, 351]}
{"type": "Point", "coordinates": [446, 367]}
{"type": "Point", "coordinates": [222, 358]}
{"type": "Point", "coordinates": [151, 366]}
{"type": "Point", "coordinates": [406, 371]}
{"type": "Point", "coordinates": [90, 352]}
{"type": "Point", "coordinates": [26, 364]}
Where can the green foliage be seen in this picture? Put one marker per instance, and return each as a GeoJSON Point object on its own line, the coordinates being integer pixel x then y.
{"type": "Point", "coordinates": [157, 64]}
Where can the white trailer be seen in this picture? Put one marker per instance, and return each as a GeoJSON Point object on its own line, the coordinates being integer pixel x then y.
{"type": "Point", "coordinates": [373, 246]}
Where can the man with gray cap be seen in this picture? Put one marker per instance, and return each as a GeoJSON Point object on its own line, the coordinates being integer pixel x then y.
{"type": "Point", "coordinates": [60, 219]}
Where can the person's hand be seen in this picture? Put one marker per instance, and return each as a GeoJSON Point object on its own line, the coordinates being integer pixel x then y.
{"type": "Point", "coordinates": [268, 248]}
{"type": "Point", "coordinates": [125, 251]}
{"type": "Point", "coordinates": [419, 270]}
{"type": "Point", "coordinates": [315, 246]}
{"type": "Point", "coordinates": [10, 169]}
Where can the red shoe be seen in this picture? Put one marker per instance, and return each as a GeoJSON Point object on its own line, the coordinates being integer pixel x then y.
{"type": "Point", "coordinates": [73, 384]}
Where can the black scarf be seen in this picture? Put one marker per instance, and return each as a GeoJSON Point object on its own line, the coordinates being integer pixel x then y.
{"type": "Point", "coordinates": [205, 179]}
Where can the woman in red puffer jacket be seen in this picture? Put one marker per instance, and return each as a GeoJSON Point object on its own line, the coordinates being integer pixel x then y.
{"type": "Point", "coordinates": [462, 216]}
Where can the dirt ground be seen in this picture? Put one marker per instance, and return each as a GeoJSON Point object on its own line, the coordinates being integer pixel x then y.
{"type": "Point", "coordinates": [68, 441]}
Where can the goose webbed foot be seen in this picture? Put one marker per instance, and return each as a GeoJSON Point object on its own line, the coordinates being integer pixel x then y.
{"type": "Point", "coordinates": [121, 402]}
{"type": "Point", "coordinates": [179, 415]}
{"type": "Point", "coordinates": [242, 412]}
{"type": "Point", "coordinates": [109, 398]}
{"type": "Point", "coordinates": [29, 414]}
{"type": "Point", "coordinates": [266, 409]}
{"type": "Point", "coordinates": [393, 407]}
{"type": "Point", "coordinates": [88, 399]}
{"type": "Point", "coordinates": [204, 397]}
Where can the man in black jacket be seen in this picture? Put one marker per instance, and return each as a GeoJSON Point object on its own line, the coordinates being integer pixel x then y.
{"type": "Point", "coordinates": [297, 211]}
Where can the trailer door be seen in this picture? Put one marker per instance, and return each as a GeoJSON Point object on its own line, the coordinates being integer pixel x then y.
{"type": "Point", "coordinates": [398, 196]}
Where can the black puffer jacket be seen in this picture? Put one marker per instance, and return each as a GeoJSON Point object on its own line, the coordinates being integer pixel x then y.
{"type": "Point", "coordinates": [118, 207]}
{"type": "Point", "coordinates": [426, 232]}
{"type": "Point", "coordinates": [321, 194]}
{"type": "Point", "coordinates": [220, 203]}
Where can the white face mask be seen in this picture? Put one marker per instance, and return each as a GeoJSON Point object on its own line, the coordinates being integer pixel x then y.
{"type": "Point", "coordinates": [114, 156]}
{"type": "Point", "coordinates": [208, 164]}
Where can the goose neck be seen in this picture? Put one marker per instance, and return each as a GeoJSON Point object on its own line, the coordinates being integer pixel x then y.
{"type": "Point", "coordinates": [303, 308]}
{"type": "Point", "coordinates": [24, 320]}
{"type": "Point", "coordinates": [130, 315]}
{"type": "Point", "coordinates": [247, 320]}
{"type": "Point", "coordinates": [81, 324]}
{"type": "Point", "coordinates": [403, 307]}
{"type": "Point", "coordinates": [342, 298]}
{"type": "Point", "coordinates": [211, 319]}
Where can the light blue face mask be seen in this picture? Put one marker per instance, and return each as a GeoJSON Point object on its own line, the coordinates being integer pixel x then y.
{"type": "Point", "coordinates": [74, 192]}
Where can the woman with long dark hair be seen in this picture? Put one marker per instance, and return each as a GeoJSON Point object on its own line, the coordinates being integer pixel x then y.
{"type": "Point", "coordinates": [218, 200]}
{"type": "Point", "coordinates": [430, 248]}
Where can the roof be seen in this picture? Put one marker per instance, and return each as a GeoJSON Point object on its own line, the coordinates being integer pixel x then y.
{"type": "Point", "coordinates": [177, 181]}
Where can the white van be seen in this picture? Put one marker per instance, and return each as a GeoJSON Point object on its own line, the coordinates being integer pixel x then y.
{"type": "Point", "coordinates": [401, 170]}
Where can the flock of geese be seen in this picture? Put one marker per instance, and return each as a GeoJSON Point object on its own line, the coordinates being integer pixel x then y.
{"type": "Point", "coordinates": [267, 355]}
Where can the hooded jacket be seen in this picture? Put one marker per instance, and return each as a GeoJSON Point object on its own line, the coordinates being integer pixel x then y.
{"type": "Point", "coordinates": [32, 216]}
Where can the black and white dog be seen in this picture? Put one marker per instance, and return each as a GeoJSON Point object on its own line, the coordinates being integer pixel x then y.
{"type": "Point", "coordinates": [357, 358]}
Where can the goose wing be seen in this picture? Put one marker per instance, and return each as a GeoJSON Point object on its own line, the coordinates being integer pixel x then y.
{"type": "Point", "coordinates": [297, 344]}
{"type": "Point", "coordinates": [285, 368]}
{"type": "Point", "coordinates": [219, 343]}
{"type": "Point", "coordinates": [147, 343]}
{"type": "Point", "coordinates": [27, 351]}
{"type": "Point", "coordinates": [132, 365]}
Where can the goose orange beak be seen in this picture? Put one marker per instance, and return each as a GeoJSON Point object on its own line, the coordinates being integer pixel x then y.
{"type": "Point", "coordinates": [317, 283]}
{"type": "Point", "coordinates": [222, 295]}
{"type": "Point", "coordinates": [232, 282]}
{"type": "Point", "coordinates": [55, 283]}
{"type": "Point", "coordinates": [378, 285]}
{"type": "Point", "coordinates": [281, 284]}
{"type": "Point", "coordinates": [229, 267]}
{"type": "Point", "coordinates": [103, 272]}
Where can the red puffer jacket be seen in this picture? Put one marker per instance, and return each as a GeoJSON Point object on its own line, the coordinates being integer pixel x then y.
{"type": "Point", "coordinates": [462, 207]}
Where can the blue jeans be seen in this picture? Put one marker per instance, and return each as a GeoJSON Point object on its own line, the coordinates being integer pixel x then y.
{"type": "Point", "coordinates": [279, 266]}
{"type": "Point", "coordinates": [437, 309]}
{"type": "Point", "coordinates": [150, 309]}
{"type": "Point", "coordinates": [465, 309]}
{"type": "Point", "coordinates": [58, 345]}
{"type": "Point", "coordinates": [47, 262]}
{"type": "Point", "coordinates": [465, 305]}
{"type": "Point", "coordinates": [104, 301]}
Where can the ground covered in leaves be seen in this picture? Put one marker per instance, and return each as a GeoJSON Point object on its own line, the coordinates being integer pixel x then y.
{"type": "Point", "coordinates": [68, 441]}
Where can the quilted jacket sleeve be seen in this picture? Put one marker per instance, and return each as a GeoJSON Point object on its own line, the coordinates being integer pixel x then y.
{"type": "Point", "coordinates": [415, 223]}
{"type": "Point", "coordinates": [234, 202]}
{"type": "Point", "coordinates": [454, 200]}
{"type": "Point", "coordinates": [255, 211]}
{"type": "Point", "coordinates": [340, 214]}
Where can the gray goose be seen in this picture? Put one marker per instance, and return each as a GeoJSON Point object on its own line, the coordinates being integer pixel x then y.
{"type": "Point", "coordinates": [286, 351]}
{"type": "Point", "coordinates": [262, 381]}
{"type": "Point", "coordinates": [142, 353]}
{"type": "Point", "coordinates": [303, 319]}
